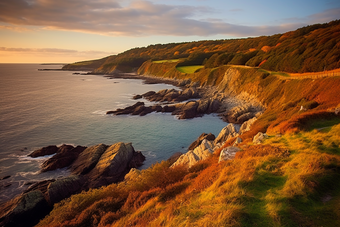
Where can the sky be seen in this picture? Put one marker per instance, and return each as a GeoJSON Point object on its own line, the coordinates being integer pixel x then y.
{"type": "Point", "coordinates": [66, 31]}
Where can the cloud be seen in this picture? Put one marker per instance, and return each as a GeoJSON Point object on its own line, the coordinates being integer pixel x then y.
{"type": "Point", "coordinates": [53, 51]}
{"type": "Point", "coordinates": [139, 18]}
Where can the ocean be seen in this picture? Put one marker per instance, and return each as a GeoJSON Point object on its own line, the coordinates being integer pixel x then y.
{"type": "Point", "coordinates": [41, 108]}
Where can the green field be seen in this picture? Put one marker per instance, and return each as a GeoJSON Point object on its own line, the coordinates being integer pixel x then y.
{"type": "Point", "coordinates": [189, 69]}
{"type": "Point", "coordinates": [168, 61]}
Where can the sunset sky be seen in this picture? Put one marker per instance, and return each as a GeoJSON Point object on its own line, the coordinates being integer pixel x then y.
{"type": "Point", "coordinates": [64, 31]}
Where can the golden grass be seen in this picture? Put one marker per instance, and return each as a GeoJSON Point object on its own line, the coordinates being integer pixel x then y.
{"type": "Point", "coordinates": [279, 183]}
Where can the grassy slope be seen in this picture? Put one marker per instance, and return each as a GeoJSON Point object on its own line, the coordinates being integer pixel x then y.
{"type": "Point", "coordinates": [291, 180]}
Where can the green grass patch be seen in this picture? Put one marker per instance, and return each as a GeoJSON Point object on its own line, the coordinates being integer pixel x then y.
{"type": "Point", "coordinates": [261, 199]}
{"type": "Point", "coordinates": [323, 124]}
{"type": "Point", "coordinates": [166, 61]}
{"type": "Point", "coordinates": [189, 69]}
{"type": "Point", "coordinates": [274, 73]}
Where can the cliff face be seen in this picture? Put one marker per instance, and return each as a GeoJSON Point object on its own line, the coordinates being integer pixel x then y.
{"type": "Point", "coordinates": [282, 97]}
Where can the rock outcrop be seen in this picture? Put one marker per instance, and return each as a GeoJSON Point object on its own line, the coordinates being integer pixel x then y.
{"type": "Point", "coordinates": [64, 187]}
{"type": "Point", "coordinates": [44, 151]}
{"type": "Point", "coordinates": [92, 167]}
{"type": "Point", "coordinates": [112, 165]}
{"type": "Point", "coordinates": [169, 95]}
{"type": "Point", "coordinates": [246, 125]}
{"type": "Point", "coordinates": [241, 114]}
{"type": "Point", "coordinates": [88, 159]}
{"type": "Point", "coordinates": [226, 133]}
{"type": "Point", "coordinates": [65, 156]}
{"type": "Point", "coordinates": [203, 136]}
{"type": "Point", "coordinates": [193, 156]}
{"type": "Point", "coordinates": [26, 210]}
{"type": "Point", "coordinates": [259, 137]}
{"type": "Point", "coordinates": [228, 153]}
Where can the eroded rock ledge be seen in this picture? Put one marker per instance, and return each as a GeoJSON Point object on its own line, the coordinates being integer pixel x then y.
{"type": "Point", "coordinates": [90, 167]}
{"type": "Point", "coordinates": [190, 103]}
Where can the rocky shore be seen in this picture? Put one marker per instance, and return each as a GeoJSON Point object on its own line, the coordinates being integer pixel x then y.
{"type": "Point", "coordinates": [90, 167]}
{"type": "Point", "coordinates": [190, 101]}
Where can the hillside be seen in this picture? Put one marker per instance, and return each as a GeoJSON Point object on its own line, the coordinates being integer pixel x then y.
{"type": "Point", "coordinates": [290, 177]}
{"type": "Point", "coordinates": [309, 49]}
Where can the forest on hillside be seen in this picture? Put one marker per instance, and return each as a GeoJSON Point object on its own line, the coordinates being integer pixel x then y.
{"type": "Point", "coordinates": [312, 48]}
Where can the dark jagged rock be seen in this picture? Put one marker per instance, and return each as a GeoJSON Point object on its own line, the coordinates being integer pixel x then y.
{"type": "Point", "coordinates": [66, 155]}
{"type": "Point", "coordinates": [203, 136]}
{"type": "Point", "coordinates": [189, 110]}
{"type": "Point", "coordinates": [64, 188]}
{"type": "Point", "coordinates": [94, 167]}
{"type": "Point", "coordinates": [146, 111]}
{"type": "Point", "coordinates": [127, 110]}
{"type": "Point", "coordinates": [137, 160]}
{"type": "Point", "coordinates": [112, 165]}
{"type": "Point", "coordinates": [88, 159]}
{"type": "Point", "coordinates": [25, 211]}
{"type": "Point", "coordinates": [44, 151]}
{"type": "Point", "coordinates": [137, 97]}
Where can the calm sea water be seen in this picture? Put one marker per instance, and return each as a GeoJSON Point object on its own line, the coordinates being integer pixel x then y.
{"type": "Point", "coordinates": [41, 108]}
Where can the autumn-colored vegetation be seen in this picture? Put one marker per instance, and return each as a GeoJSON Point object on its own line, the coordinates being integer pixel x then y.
{"type": "Point", "coordinates": [312, 48]}
{"type": "Point", "coordinates": [291, 180]}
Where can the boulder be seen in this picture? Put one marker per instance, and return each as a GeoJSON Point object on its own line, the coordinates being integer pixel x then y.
{"type": "Point", "coordinates": [226, 133]}
{"type": "Point", "coordinates": [193, 156]}
{"type": "Point", "coordinates": [259, 137]}
{"type": "Point", "coordinates": [88, 159]}
{"type": "Point", "coordinates": [246, 125]}
{"type": "Point", "coordinates": [189, 110]}
{"type": "Point", "coordinates": [64, 188]}
{"type": "Point", "coordinates": [66, 155]}
{"type": "Point", "coordinates": [199, 140]}
{"type": "Point", "coordinates": [44, 151]}
{"type": "Point", "coordinates": [26, 210]}
{"type": "Point", "coordinates": [228, 153]}
{"type": "Point", "coordinates": [112, 165]}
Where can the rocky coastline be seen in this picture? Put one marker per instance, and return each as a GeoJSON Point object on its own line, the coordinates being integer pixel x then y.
{"type": "Point", "coordinates": [90, 167]}
{"type": "Point", "coordinates": [189, 101]}
{"type": "Point", "coordinates": [100, 165]}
